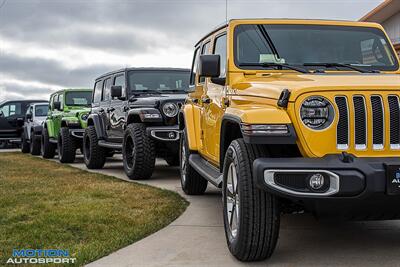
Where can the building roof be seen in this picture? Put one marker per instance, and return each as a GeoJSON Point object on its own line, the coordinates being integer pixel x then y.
{"type": "Point", "coordinates": [382, 12]}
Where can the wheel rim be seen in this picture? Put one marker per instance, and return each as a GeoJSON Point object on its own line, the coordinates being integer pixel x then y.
{"type": "Point", "coordinates": [183, 163]}
{"type": "Point", "coordinates": [232, 200]}
{"type": "Point", "coordinates": [129, 152]}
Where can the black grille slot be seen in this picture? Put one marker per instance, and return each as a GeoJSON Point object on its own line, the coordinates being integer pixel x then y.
{"type": "Point", "coordinates": [377, 122]}
{"type": "Point", "coordinates": [360, 122]}
{"type": "Point", "coordinates": [342, 134]}
{"type": "Point", "coordinates": [394, 120]}
{"type": "Point", "coordinates": [296, 181]}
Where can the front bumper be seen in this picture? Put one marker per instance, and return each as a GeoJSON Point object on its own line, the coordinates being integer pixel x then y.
{"type": "Point", "coordinates": [77, 133]}
{"type": "Point", "coordinates": [164, 133]}
{"type": "Point", "coordinates": [356, 187]}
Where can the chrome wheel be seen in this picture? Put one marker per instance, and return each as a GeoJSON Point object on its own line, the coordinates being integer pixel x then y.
{"type": "Point", "coordinates": [232, 200]}
{"type": "Point", "coordinates": [183, 163]}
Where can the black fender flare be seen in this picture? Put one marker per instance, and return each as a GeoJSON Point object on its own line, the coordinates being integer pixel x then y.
{"type": "Point", "coordinates": [94, 120]}
{"type": "Point", "coordinates": [135, 115]}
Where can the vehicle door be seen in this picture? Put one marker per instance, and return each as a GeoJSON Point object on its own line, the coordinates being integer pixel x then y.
{"type": "Point", "coordinates": [29, 121]}
{"type": "Point", "coordinates": [56, 115]}
{"type": "Point", "coordinates": [96, 99]}
{"type": "Point", "coordinates": [212, 102]}
{"type": "Point", "coordinates": [11, 118]}
{"type": "Point", "coordinates": [197, 86]}
{"type": "Point", "coordinates": [105, 106]}
{"type": "Point", "coordinates": [117, 110]}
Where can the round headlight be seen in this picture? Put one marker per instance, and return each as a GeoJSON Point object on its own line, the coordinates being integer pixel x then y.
{"type": "Point", "coordinates": [84, 117]}
{"type": "Point", "coordinates": [170, 109]}
{"type": "Point", "coordinates": [317, 112]}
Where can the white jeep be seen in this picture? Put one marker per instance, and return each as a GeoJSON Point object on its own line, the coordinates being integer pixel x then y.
{"type": "Point", "coordinates": [32, 130]}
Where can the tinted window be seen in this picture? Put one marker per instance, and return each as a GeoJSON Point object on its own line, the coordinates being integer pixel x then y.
{"type": "Point", "coordinates": [107, 90]}
{"type": "Point", "coordinates": [194, 66]}
{"type": "Point", "coordinates": [220, 49]}
{"type": "Point", "coordinates": [161, 81]}
{"type": "Point", "coordinates": [299, 44]}
{"type": "Point", "coordinates": [205, 50]}
{"type": "Point", "coordinates": [41, 110]}
{"type": "Point", "coordinates": [11, 109]}
{"type": "Point", "coordinates": [120, 80]}
{"type": "Point", "coordinates": [78, 98]}
{"type": "Point", "coordinates": [97, 91]}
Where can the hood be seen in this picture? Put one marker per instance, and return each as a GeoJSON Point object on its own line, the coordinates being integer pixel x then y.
{"type": "Point", "coordinates": [271, 85]}
{"type": "Point", "coordinates": [155, 100]}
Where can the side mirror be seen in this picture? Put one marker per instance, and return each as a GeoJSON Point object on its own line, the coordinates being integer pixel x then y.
{"type": "Point", "coordinates": [116, 91]}
{"type": "Point", "coordinates": [209, 66]}
{"type": "Point", "coordinates": [57, 105]}
{"type": "Point", "coordinates": [29, 116]}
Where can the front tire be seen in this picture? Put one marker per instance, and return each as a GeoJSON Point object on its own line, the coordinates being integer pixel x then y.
{"type": "Point", "coordinates": [94, 155]}
{"type": "Point", "coordinates": [48, 149]}
{"type": "Point", "coordinates": [66, 146]}
{"type": "Point", "coordinates": [35, 144]}
{"type": "Point", "coordinates": [24, 143]}
{"type": "Point", "coordinates": [139, 153]}
{"type": "Point", "coordinates": [191, 181]}
{"type": "Point", "coordinates": [251, 215]}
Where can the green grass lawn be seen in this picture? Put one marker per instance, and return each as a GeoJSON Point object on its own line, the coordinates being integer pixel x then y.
{"type": "Point", "coordinates": [47, 205]}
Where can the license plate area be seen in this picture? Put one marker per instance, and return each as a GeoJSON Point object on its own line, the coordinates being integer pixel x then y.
{"type": "Point", "coordinates": [393, 179]}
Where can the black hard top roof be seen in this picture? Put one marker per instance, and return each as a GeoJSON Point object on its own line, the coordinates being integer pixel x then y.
{"type": "Point", "coordinates": [142, 69]}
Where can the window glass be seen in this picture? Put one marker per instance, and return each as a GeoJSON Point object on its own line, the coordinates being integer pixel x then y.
{"type": "Point", "coordinates": [41, 110]}
{"type": "Point", "coordinates": [29, 110]}
{"type": "Point", "coordinates": [220, 49]}
{"type": "Point", "coordinates": [120, 80]}
{"type": "Point", "coordinates": [78, 98]}
{"type": "Point", "coordinates": [158, 81]}
{"type": "Point", "coordinates": [194, 66]}
{"type": "Point", "coordinates": [97, 91]}
{"type": "Point", "coordinates": [107, 90]}
{"type": "Point", "coordinates": [61, 100]}
{"type": "Point", "coordinates": [11, 109]}
{"type": "Point", "coordinates": [205, 50]}
{"type": "Point", "coordinates": [312, 44]}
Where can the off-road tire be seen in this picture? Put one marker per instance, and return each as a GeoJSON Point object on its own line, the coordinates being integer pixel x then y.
{"type": "Point", "coordinates": [173, 160]}
{"type": "Point", "coordinates": [24, 143]}
{"type": "Point", "coordinates": [66, 146]}
{"type": "Point", "coordinates": [35, 144]}
{"type": "Point", "coordinates": [47, 149]}
{"type": "Point", "coordinates": [138, 152]}
{"type": "Point", "coordinates": [191, 181]}
{"type": "Point", "coordinates": [259, 214]}
{"type": "Point", "coordinates": [94, 155]}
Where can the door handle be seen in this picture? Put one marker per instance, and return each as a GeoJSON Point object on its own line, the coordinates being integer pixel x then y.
{"type": "Point", "coordinates": [110, 109]}
{"type": "Point", "coordinates": [205, 100]}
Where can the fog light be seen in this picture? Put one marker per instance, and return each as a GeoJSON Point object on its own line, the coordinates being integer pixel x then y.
{"type": "Point", "coordinates": [316, 181]}
{"type": "Point", "coordinates": [171, 135]}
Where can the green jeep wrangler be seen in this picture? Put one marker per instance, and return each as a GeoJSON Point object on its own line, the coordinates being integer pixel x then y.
{"type": "Point", "coordinates": [65, 123]}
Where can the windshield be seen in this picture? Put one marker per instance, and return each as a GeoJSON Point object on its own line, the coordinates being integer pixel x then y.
{"type": "Point", "coordinates": [78, 98]}
{"type": "Point", "coordinates": [257, 45]}
{"type": "Point", "coordinates": [41, 110]}
{"type": "Point", "coordinates": [158, 81]}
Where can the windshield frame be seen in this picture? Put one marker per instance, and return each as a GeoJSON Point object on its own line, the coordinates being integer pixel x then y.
{"type": "Point", "coordinates": [78, 91]}
{"type": "Point", "coordinates": [392, 52]}
{"type": "Point", "coordinates": [183, 91]}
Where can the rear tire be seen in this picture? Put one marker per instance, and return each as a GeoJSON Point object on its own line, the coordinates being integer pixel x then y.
{"type": "Point", "coordinates": [139, 153]}
{"type": "Point", "coordinates": [94, 155]}
{"type": "Point", "coordinates": [24, 143]}
{"type": "Point", "coordinates": [48, 149]}
{"type": "Point", "coordinates": [66, 146]}
{"type": "Point", "coordinates": [251, 215]}
{"type": "Point", "coordinates": [191, 181]}
{"type": "Point", "coordinates": [35, 144]}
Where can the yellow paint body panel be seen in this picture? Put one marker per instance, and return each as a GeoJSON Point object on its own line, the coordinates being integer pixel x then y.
{"type": "Point", "coordinates": [253, 96]}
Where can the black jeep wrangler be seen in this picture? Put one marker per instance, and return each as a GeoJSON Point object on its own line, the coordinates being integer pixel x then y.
{"type": "Point", "coordinates": [134, 111]}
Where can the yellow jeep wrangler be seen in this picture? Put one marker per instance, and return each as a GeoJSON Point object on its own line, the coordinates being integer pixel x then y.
{"type": "Point", "coordinates": [292, 115]}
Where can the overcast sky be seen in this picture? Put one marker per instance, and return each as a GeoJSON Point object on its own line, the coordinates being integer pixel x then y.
{"type": "Point", "coordinates": [50, 44]}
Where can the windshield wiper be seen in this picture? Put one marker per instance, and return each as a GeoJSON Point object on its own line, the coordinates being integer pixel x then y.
{"type": "Point", "coordinates": [340, 65]}
{"type": "Point", "coordinates": [279, 66]}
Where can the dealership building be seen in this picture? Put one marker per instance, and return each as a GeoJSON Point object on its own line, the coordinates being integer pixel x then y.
{"type": "Point", "coordinates": [388, 15]}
